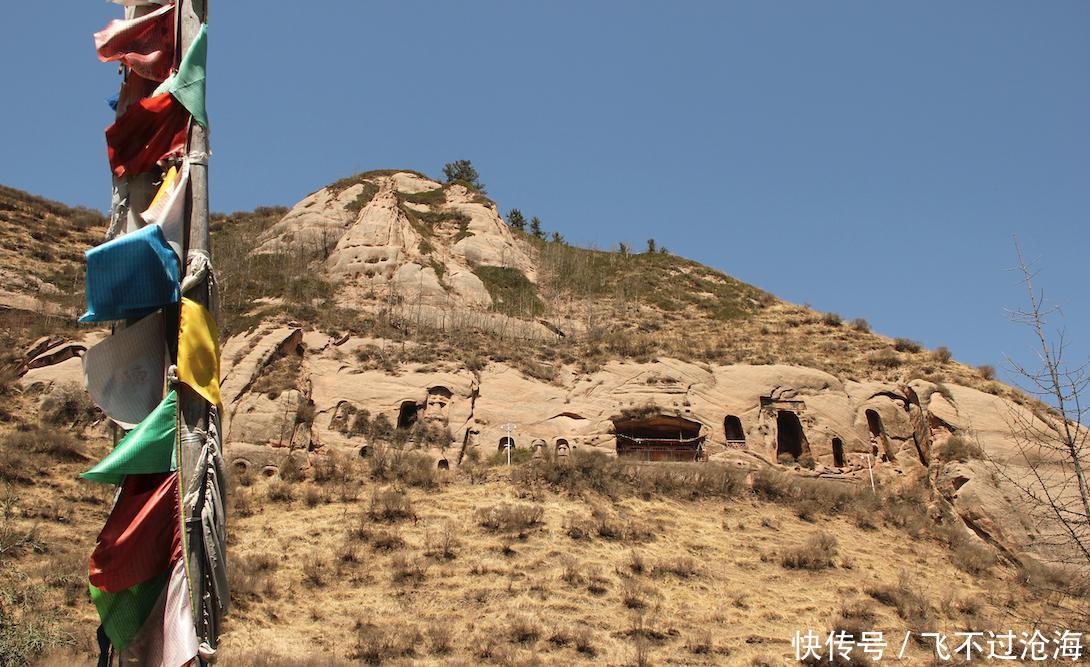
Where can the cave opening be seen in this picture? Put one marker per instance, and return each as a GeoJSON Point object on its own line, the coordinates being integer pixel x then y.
{"type": "Point", "coordinates": [407, 415]}
{"type": "Point", "coordinates": [658, 438]}
{"type": "Point", "coordinates": [788, 434]}
{"type": "Point", "coordinates": [732, 428]}
{"type": "Point", "coordinates": [838, 453]}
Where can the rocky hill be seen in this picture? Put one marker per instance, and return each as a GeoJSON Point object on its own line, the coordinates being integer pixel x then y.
{"type": "Point", "coordinates": [391, 332]}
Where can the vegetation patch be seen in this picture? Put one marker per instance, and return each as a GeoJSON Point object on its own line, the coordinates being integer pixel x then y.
{"type": "Point", "coordinates": [364, 197]}
{"type": "Point", "coordinates": [511, 291]}
{"type": "Point", "coordinates": [436, 197]}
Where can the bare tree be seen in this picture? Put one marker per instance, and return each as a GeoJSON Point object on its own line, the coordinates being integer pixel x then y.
{"type": "Point", "coordinates": [1051, 437]}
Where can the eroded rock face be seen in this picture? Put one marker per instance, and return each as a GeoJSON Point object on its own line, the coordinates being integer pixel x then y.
{"type": "Point", "coordinates": [742, 413]}
{"type": "Point", "coordinates": [414, 241]}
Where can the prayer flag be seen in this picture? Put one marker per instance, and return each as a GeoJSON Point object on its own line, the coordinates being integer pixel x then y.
{"type": "Point", "coordinates": [123, 614]}
{"type": "Point", "coordinates": [167, 209]}
{"type": "Point", "coordinates": [187, 84]}
{"type": "Point", "coordinates": [148, 448]}
{"type": "Point", "coordinates": [145, 44]}
{"type": "Point", "coordinates": [168, 638]}
{"type": "Point", "coordinates": [131, 276]}
{"type": "Point", "coordinates": [124, 372]}
{"type": "Point", "coordinates": [142, 536]}
{"type": "Point", "coordinates": [198, 351]}
{"type": "Point", "coordinates": [150, 130]}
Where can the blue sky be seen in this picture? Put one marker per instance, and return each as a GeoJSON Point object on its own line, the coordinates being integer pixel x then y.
{"type": "Point", "coordinates": [870, 158]}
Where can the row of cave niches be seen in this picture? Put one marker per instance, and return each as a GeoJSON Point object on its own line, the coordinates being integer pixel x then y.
{"type": "Point", "coordinates": [674, 438]}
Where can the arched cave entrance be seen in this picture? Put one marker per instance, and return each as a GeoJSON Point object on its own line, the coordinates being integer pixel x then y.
{"type": "Point", "coordinates": [365, 451]}
{"type": "Point", "coordinates": [406, 416]}
{"type": "Point", "coordinates": [874, 423]}
{"type": "Point", "coordinates": [879, 443]}
{"type": "Point", "coordinates": [506, 441]}
{"type": "Point", "coordinates": [443, 464]}
{"type": "Point", "coordinates": [838, 453]}
{"type": "Point", "coordinates": [732, 428]}
{"type": "Point", "coordinates": [788, 434]}
{"type": "Point", "coordinates": [562, 443]}
{"type": "Point", "coordinates": [658, 438]}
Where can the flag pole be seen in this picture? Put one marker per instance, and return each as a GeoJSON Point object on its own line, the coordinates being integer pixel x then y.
{"type": "Point", "coordinates": [194, 409]}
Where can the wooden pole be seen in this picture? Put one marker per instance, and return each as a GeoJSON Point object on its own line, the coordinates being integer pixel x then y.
{"type": "Point", "coordinates": [194, 409]}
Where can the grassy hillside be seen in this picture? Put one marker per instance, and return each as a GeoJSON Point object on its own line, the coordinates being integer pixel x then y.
{"type": "Point", "coordinates": [589, 561]}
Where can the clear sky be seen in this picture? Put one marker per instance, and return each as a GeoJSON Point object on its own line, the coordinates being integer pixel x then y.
{"type": "Point", "coordinates": [870, 158]}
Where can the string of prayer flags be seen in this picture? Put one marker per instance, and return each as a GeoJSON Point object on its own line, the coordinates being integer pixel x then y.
{"type": "Point", "coordinates": [124, 372]}
{"type": "Point", "coordinates": [148, 448]}
{"type": "Point", "coordinates": [142, 536]}
{"type": "Point", "coordinates": [187, 84]}
{"type": "Point", "coordinates": [198, 351]}
{"type": "Point", "coordinates": [158, 572]}
{"type": "Point", "coordinates": [144, 44]}
{"type": "Point", "coordinates": [150, 130]}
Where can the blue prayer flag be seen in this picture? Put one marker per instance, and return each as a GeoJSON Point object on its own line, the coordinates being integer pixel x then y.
{"type": "Point", "coordinates": [131, 276]}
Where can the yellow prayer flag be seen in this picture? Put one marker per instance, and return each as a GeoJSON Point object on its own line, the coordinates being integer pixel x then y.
{"type": "Point", "coordinates": [164, 190]}
{"type": "Point", "coordinates": [198, 351]}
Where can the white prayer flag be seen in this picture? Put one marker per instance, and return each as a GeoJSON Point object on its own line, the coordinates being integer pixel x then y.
{"type": "Point", "coordinates": [124, 373]}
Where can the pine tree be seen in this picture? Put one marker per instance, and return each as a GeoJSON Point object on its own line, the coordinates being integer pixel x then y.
{"type": "Point", "coordinates": [462, 171]}
{"type": "Point", "coordinates": [535, 227]}
{"type": "Point", "coordinates": [516, 220]}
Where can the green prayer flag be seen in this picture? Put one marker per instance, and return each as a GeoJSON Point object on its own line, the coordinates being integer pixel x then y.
{"type": "Point", "coordinates": [187, 84]}
{"type": "Point", "coordinates": [148, 448]}
{"type": "Point", "coordinates": [123, 614]}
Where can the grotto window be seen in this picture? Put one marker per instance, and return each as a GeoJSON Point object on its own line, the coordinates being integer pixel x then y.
{"type": "Point", "coordinates": [874, 423]}
{"type": "Point", "coordinates": [658, 438]}
{"type": "Point", "coordinates": [788, 434]}
{"type": "Point", "coordinates": [443, 464]}
{"type": "Point", "coordinates": [838, 453]}
{"type": "Point", "coordinates": [732, 427]}
{"type": "Point", "coordinates": [365, 451]}
{"type": "Point", "coordinates": [406, 416]}
{"type": "Point", "coordinates": [561, 443]}
{"type": "Point", "coordinates": [506, 441]}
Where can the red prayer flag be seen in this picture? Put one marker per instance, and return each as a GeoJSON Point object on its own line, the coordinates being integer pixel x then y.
{"type": "Point", "coordinates": [152, 129]}
{"type": "Point", "coordinates": [141, 538]}
{"type": "Point", "coordinates": [145, 44]}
